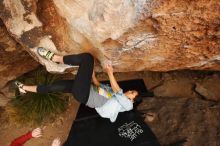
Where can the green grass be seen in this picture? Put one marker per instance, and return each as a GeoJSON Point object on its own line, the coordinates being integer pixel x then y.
{"type": "Point", "coordinates": [36, 108]}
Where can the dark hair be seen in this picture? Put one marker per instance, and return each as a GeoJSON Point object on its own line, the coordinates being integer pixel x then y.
{"type": "Point", "coordinates": [137, 101]}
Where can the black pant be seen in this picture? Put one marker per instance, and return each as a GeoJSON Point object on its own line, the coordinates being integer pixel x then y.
{"type": "Point", "coordinates": [80, 87]}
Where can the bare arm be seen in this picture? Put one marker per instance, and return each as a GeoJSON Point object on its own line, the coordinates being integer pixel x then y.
{"type": "Point", "coordinates": [95, 80]}
{"type": "Point", "coordinates": [113, 82]}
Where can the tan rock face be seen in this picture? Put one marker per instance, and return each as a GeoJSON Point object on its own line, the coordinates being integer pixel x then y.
{"type": "Point", "coordinates": [134, 35]}
{"type": "Point", "coordinates": [14, 62]}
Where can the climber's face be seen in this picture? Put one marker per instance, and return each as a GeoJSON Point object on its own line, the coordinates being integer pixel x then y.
{"type": "Point", "coordinates": [131, 94]}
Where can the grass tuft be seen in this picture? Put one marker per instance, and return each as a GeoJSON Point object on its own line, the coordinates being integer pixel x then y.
{"type": "Point", "coordinates": [36, 108]}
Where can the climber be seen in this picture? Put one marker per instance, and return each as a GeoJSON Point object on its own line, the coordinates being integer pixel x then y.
{"type": "Point", "coordinates": [107, 101]}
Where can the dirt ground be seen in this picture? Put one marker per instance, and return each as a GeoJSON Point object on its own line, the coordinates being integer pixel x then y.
{"type": "Point", "coordinates": [176, 93]}
{"type": "Point", "coordinates": [59, 128]}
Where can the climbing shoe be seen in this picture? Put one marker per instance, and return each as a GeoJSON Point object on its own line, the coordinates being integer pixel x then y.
{"type": "Point", "coordinates": [46, 54]}
{"type": "Point", "coordinates": [20, 87]}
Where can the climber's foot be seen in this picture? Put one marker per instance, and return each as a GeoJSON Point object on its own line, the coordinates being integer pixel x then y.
{"type": "Point", "coordinates": [46, 54]}
{"type": "Point", "coordinates": [20, 87]}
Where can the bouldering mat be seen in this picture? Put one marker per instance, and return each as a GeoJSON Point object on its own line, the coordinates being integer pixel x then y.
{"type": "Point", "coordinates": [128, 130]}
{"type": "Point", "coordinates": [89, 129]}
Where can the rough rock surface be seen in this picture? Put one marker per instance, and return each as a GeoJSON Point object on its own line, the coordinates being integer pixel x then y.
{"type": "Point", "coordinates": [207, 87]}
{"type": "Point", "coordinates": [157, 35]}
{"type": "Point", "coordinates": [14, 62]}
{"type": "Point", "coordinates": [184, 83]}
{"type": "Point", "coordinates": [183, 121]}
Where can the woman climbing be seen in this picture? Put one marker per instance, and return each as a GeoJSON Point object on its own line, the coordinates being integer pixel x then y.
{"type": "Point", "coordinates": [108, 101]}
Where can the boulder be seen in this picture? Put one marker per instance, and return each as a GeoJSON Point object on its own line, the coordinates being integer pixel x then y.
{"type": "Point", "coordinates": [209, 87]}
{"type": "Point", "coordinates": [15, 61]}
{"type": "Point", "coordinates": [153, 35]}
{"type": "Point", "coordinates": [183, 121]}
{"type": "Point", "coordinates": [156, 35]}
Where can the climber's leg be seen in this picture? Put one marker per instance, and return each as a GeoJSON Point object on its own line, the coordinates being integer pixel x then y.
{"type": "Point", "coordinates": [82, 83]}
